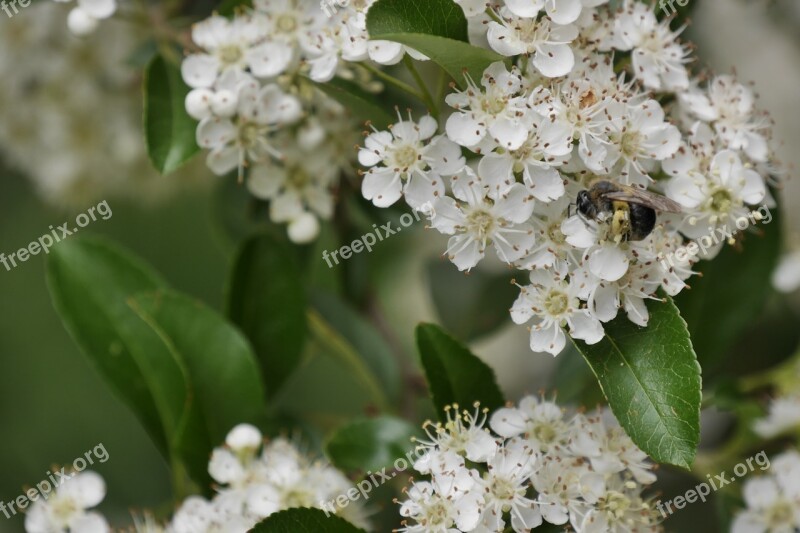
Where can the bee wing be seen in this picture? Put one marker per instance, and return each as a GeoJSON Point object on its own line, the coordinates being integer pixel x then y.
{"type": "Point", "coordinates": [643, 197]}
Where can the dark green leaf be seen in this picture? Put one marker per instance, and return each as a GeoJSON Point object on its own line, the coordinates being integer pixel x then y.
{"type": "Point", "coordinates": [227, 8]}
{"type": "Point", "coordinates": [266, 299]}
{"type": "Point", "coordinates": [444, 18]}
{"type": "Point", "coordinates": [169, 130]}
{"type": "Point", "coordinates": [225, 386]}
{"type": "Point", "coordinates": [454, 374]}
{"type": "Point", "coordinates": [651, 379]}
{"type": "Point", "coordinates": [360, 103]}
{"type": "Point", "coordinates": [304, 521]}
{"type": "Point", "coordinates": [455, 57]}
{"type": "Point", "coordinates": [363, 337]}
{"type": "Point", "coordinates": [470, 306]}
{"type": "Point", "coordinates": [370, 445]}
{"type": "Point", "coordinates": [89, 281]}
{"type": "Point", "coordinates": [736, 282]}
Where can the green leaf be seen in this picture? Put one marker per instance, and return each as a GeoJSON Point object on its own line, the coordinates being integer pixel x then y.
{"type": "Point", "coordinates": [89, 282]}
{"type": "Point", "coordinates": [455, 57]}
{"type": "Point", "coordinates": [169, 130]}
{"type": "Point", "coordinates": [360, 103]}
{"type": "Point", "coordinates": [736, 282]}
{"type": "Point", "coordinates": [437, 28]}
{"type": "Point", "coordinates": [370, 445]}
{"type": "Point", "coordinates": [444, 18]}
{"type": "Point", "coordinates": [303, 520]}
{"type": "Point", "coordinates": [227, 8]}
{"type": "Point", "coordinates": [363, 337]}
{"type": "Point", "coordinates": [454, 374]}
{"type": "Point", "coordinates": [651, 379]}
{"type": "Point", "coordinates": [266, 299]}
{"type": "Point", "coordinates": [226, 388]}
{"type": "Point", "coordinates": [470, 306]}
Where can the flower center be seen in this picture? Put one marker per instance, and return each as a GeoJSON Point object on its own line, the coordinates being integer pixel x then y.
{"type": "Point", "coordinates": [721, 201]}
{"type": "Point", "coordinates": [556, 303]}
{"type": "Point", "coordinates": [230, 54]}
{"type": "Point", "coordinates": [615, 504]}
{"type": "Point", "coordinates": [287, 23]}
{"type": "Point", "coordinates": [544, 433]}
{"type": "Point", "coordinates": [437, 514]}
{"type": "Point", "coordinates": [299, 179]}
{"type": "Point", "coordinates": [63, 509]}
{"type": "Point", "coordinates": [493, 105]}
{"type": "Point", "coordinates": [481, 223]}
{"type": "Point", "coordinates": [405, 156]}
{"type": "Point", "coordinates": [555, 234]}
{"type": "Point", "coordinates": [780, 515]}
{"type": "Point", "coordinates": [249, 134]}
{"type": "Point", "coordinates": [297, 498]}
{"type": "Point", "coordinates": [504, 490]}
{"type": "Point", "coordinates": [630, 143]}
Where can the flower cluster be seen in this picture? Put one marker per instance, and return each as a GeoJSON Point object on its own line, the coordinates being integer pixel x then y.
{"type": "Point", "coordinates": [773, 500]}
{"type": "Point", "coordinates": [539, 465]}
{"type": "Point", "coordinates": [258, 111]}
{"type": "Point", "coordinates": [77, 104]}
{"type": "Point", "coordinates": [254, 480]}
{"type": "Point", "coordinates": [596, 99]}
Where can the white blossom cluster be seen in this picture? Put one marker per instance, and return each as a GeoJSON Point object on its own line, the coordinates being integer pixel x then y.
{"type": "Point", "coordinates": [592, 94]}
{"type": "Point", "coordinates": [535, 465]}
{"type": "Point", "coordinates": [258, 112]}
{"type": "Point", "coordinates": [783, 416]}
{"type": "Point", "coordinates": [71, 121]}
{"type": "Point", "coordinates": [255, 480]}
{"type": "Point", "coordinates": [772, 501]}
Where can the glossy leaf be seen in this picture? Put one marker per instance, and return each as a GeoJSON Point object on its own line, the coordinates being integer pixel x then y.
{"type": "Point", "coordinates": [169, 130]}
{"type": "Point", "coordinates": [302, 520]}
{"type": "Point", "coordinates": [651, 379]}
{"type": "Point", "coordinates": [361, 104]}
{"type": "Point", "coordinates": [266, 299]}
{"type": "Point", "coordinates": [444, 18]}
{"type": "Point", "coordinates": [370, 445]}
{"type": "Point", "coordinates": [225, 385]}
{"type": "Point", "coordinates": [454, 374]}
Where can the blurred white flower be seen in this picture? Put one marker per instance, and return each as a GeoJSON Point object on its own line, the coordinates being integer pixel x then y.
{"type": "Point", "coordinates": [67, 509]}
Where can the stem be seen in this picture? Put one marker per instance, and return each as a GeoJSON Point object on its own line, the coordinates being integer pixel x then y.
{"type": "Point", "coordinates": [391, 80]}
{"type": "Point", "coordinates": [340, 348]}
{"type": "Point", "coordinates": [426, 94]}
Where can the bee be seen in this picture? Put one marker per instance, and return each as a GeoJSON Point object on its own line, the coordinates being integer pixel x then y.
{"type": "Point", "coordinates": [631, 211]}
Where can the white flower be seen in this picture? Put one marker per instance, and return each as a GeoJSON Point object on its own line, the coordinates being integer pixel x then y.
{"type": "Point", "coordinates": [730, 107]}
{"type": "Point", "coordinates": [441, 507]}
{"type": "Point", "coordinates": [85, 17]}
{"type": "Point", "coordinates": [480, 220]}
{"type": "Point", "coordinates": [505, 487]}
{"type": "Point", "coordinates": [229, 45]}
{"type": "Point", "coordinates": [496, 110]}
{"type": "Point", "coordinates": [462, 433]}
{"type": "Point", "coordinates": [615, 507]}
{"type": "Point", "coordinates": [552, 302]}
{"type": "Point", "coordinates": [784, 414]}
{"type": "Point", "coordinates": [68, 508]}
{"type": "Point", "coordinates": [604, 253]}
{"type": "Point", "coordinates": [639, 137]}
{"type": "Point", "coordinates": [548, 146]}
{"type": "Point", "coordinates": [547, 44]}
{"type": "Point", "coordinates": [786, 277]}
{"type": "Point", "coordinates": [658, 59]}
{"type": "Point", "coordinates": [236, 142]}
{"type": "Point", "coordinates": [408, 160]}
{"type": "Point", "coordinates": [542, 423]}
{"type": "Point", "coordinates": [558, 483]}
{"type": "Point", "coordinates": [716, 201]}
{"type": "Point", "coordinates": [769, 507]}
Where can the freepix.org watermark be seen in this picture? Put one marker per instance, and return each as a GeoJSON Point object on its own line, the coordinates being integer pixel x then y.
{"type": "Point", "coordinates": [10, 6]}
{"type": "Point", "coordinates": [57, 234]}
{"type": "Point", "coordinates": [367, 241]}
{"type": "Point", "coordinates": [53, 480]}
{"type": "Point", "coordinates": [668, 6]}
{"type": "Point", "coordinates": [363, 488]}
{"type": "Point", "coordinates": [701, 491]}
{"type": "Point", "coordinates": [715, 236]}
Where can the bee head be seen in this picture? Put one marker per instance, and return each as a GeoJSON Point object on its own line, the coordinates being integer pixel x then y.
{"type": "Point", "coordinates": [585, 205]}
